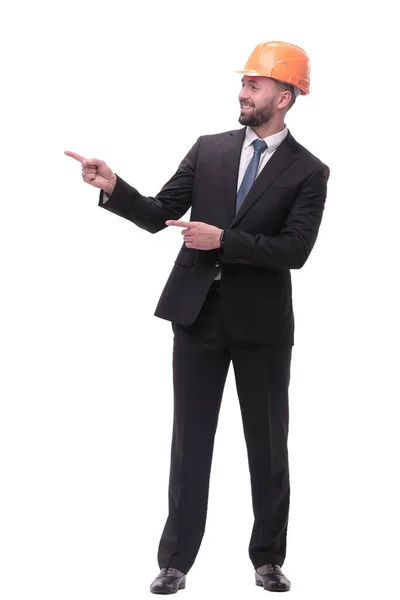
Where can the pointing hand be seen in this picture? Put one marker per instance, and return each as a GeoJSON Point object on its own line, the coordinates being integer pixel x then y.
{"type": "Point", "coordinates": [197, 235]}
{"type": "Point", "coordinates": [95, 172]}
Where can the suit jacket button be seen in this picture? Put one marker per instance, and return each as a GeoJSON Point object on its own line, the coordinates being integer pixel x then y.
{"type": "Point", "coordinates": [217, 264]}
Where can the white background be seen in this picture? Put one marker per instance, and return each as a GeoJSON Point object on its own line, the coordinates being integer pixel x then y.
{"type": "Point", "coordinates": [86, 379]}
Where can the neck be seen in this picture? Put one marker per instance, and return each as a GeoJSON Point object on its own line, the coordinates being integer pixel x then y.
{"type": "Point", "coordinates": [268, 129]}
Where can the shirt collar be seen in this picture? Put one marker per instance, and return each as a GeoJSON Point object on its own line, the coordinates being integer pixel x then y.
{"type": "Point", "coordinates": [272, 141]}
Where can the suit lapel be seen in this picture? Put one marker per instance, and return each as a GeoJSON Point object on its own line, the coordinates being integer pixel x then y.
{"type": "Point", "coordinates": [284, 155]}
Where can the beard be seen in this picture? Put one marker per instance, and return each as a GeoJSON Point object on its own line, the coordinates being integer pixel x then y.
{"type": "Point", "coordinates": [258, 116]}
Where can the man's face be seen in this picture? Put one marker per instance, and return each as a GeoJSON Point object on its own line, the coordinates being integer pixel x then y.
{"type": "Point", "coordinates": [258, 100]}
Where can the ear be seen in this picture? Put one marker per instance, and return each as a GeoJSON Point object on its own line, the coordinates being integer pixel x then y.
{"type": "Point", "coordinates": [284, 99]}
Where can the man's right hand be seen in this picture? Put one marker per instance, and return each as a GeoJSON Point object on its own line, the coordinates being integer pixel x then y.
{"type": "Point", "coordinates": [96, 172]}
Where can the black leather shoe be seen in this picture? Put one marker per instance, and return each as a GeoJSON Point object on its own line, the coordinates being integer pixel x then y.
{"type": "Point", "coordinates": [271, 578]}
{"type": "Point", "coordinates": [168, 581]}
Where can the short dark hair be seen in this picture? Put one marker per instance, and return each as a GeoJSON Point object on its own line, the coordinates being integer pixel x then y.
{"type": "Point", "coordinates": [286, 87]}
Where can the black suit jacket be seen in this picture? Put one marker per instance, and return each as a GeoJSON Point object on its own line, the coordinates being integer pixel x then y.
{"type": "Point", "coordinates": [274, 231]}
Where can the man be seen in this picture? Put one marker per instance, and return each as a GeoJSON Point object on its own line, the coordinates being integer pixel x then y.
{"type": "Point", "coordinates": [257, 199]}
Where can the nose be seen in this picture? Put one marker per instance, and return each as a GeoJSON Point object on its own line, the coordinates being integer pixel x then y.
{"type": "Point", "coordinates": [243, 94]}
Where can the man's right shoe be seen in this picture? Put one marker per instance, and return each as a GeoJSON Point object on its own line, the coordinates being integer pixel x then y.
{"type": "Point", "coordinates": [168, 581]}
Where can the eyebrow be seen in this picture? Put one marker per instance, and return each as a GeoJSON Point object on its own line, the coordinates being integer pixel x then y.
{"type": "Point", "coordinates": [250, 81]}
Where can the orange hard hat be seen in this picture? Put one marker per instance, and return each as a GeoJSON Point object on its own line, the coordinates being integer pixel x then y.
{"type": "Point", "coordinates": [281, 61]}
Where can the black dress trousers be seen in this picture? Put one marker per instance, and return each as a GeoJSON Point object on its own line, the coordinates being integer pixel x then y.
{"type": "Point", "coordinates": [201, 357]}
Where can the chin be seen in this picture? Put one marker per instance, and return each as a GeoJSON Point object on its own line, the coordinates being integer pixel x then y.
{"type": "Point", "coordinates": [246, 120]}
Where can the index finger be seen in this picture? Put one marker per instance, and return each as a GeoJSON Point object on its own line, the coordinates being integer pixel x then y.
{"type": "Point", "coordinates": [179, 223]}
{"type": "Point", "coordinates": [74, 155]}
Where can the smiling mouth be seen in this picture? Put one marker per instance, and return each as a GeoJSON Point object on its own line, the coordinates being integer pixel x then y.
{"type": "Point", "coordinates": [245, 106]}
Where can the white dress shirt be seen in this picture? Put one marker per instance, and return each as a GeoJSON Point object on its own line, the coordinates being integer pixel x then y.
{"type": "Point", "coordinates": [272, 141]}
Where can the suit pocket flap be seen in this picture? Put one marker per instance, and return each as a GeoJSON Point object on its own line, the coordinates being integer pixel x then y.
{"type": "Point", "coordinates": [185, 257]}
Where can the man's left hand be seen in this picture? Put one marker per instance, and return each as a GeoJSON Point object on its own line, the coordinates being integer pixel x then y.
{"type": "Point", "coordinates": [197, 235]}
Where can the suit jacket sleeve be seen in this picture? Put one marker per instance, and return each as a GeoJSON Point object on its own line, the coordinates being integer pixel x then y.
{"type": "Point", "coordinates": [292, 246]}
{"type": "Point", "coordinates": [150, 213]}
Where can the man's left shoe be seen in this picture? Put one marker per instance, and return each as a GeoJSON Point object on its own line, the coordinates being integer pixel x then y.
{"type": "Point", "coordinates": [168, 581]}
{"type": "Point", "coordinates": [271, 578]}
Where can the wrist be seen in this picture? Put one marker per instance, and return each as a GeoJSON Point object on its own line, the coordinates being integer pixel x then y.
{"type": "Point", "coordinates": [111, 185]}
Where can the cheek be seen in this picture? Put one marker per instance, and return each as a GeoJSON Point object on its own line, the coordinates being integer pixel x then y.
{"type": "Point", "coordinates": [265, 102]}
{"type": "Point", "coordinates": [262, 100]}
{"type": "Point", "coordinates": [257, 99]}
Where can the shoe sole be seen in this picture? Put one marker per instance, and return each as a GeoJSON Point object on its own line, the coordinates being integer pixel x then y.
{"type": "Point", "coordinates": [259, 584]}
{"type": "Point", "coordinates": [181, 587]}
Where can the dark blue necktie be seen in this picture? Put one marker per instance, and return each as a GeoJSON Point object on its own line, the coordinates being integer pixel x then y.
{"type": "Point", "coordinates": [251, 172]}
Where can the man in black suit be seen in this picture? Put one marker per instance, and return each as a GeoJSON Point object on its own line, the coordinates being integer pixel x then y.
{"type": "Point", "coordinates": [257, 199]}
